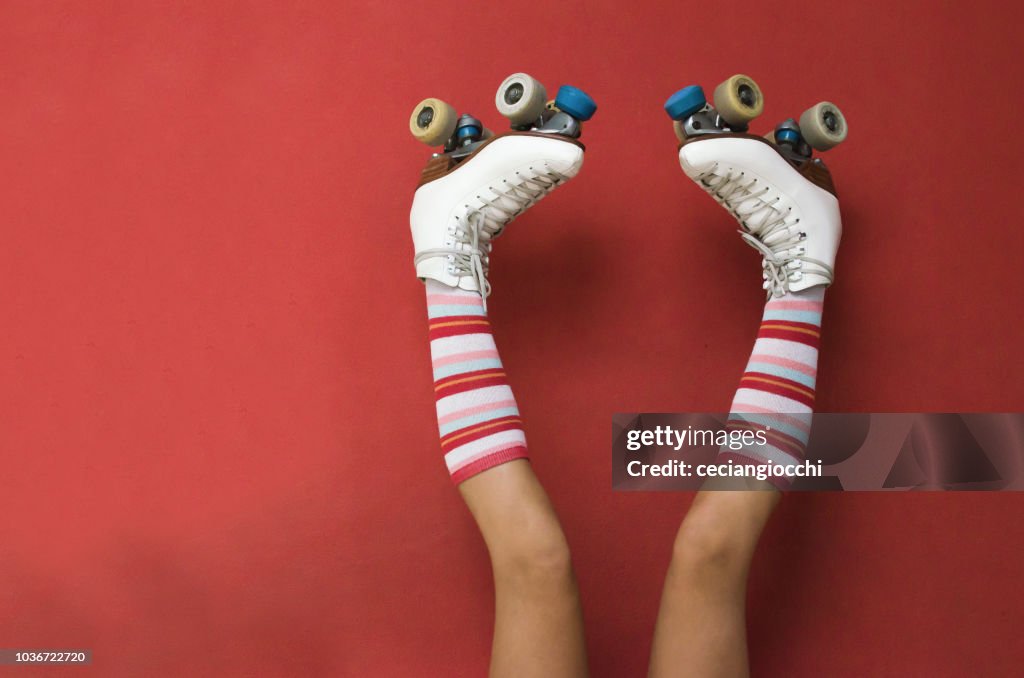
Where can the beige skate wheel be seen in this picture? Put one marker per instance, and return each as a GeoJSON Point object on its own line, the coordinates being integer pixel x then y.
{"type": "Point", "coordinates": [677, 127]}
{"type": "Point", "coordinates": [739, 100]}
{"type": "Point", "coordinates": [433, 122]}
{"type": "Point", "coordinates": [770, 138]}
{"type": "Point", "coordinates": [521, 99]}
{"type": "Point", "coordinates": [823, 126]}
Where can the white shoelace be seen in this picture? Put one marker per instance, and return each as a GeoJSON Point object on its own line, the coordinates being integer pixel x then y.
{"type": "Point", "coordinates": [473, 236]}
{"type": "Point", "coordinates": [766, 228]}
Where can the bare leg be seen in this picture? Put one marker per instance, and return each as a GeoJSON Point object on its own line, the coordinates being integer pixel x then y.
{"type": "Point", "coordinates": [792, 219]}
{"type": "Point", "coordinates": [538, 628]}
{"type": "Point", "coordinates": [701, 627]}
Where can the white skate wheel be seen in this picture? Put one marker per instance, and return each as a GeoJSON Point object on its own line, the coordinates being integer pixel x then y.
{"type": "Point", "coordinates": [521, 99]}
{"type": "Point", "coordinates": [433, 122]}
{"type": "Point", "coordinates": [823, 126]}
{"type": "Point", "coordinates": [739, 100]}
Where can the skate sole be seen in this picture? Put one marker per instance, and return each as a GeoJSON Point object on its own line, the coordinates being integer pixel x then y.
{"type": "Point", "coordinates": [441, 165]}
{"type": "Point", "coordinates": [814, 172]}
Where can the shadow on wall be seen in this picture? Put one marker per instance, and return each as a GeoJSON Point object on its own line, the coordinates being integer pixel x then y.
{"type": "Point", "coordinates": [775, 611]}
{"type": "Point", "coordinates": [555, 281]}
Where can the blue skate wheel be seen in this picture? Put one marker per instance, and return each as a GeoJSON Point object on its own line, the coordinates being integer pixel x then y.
{"type": "Point", "coordinates": [575, 102]}
{"type": "Point", "coordinates": [787, 135]}
{"type": "Point", "coordinates": [685, 102]}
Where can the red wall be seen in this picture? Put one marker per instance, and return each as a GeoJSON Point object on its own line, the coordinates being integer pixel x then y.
{"type": "Point", "coordinates": [216, 420]}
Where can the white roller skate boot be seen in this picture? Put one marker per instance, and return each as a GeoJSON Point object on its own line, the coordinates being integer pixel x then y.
{"type": "Point", "coordinates": [782, 197]}
{"type": "Point", "coordinates": [480, 182]}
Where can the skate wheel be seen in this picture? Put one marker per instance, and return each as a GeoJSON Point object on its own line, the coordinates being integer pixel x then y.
{"type": "Point", "coordinates": [823, 126]}
{"type": "Point", "coordinates": [739, 100]}
{"type": "Point", "coordinates": [677, 127]}
{"type": "Point", "coordinates": [685, 102]}
{"type": "Point", "coordinates": [520, 98]}
{"type": "Point", "coordinates": [486, 134]}
{"type": "Point", "coordinates": [433, 122]}
{"type": "Point", "coordinates": [575, 102]}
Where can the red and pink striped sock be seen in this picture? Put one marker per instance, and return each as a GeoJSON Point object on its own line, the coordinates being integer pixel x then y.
{"type": "Point", "coordinates": [477, 415]}
{"type": "Point", "coordinates": [776, 392]}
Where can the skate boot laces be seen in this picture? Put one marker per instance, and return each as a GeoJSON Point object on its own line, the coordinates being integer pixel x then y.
{"type": "Point", "coordinates": [468, 245]}
{"type": "Point", "coordinates": [767, 227]}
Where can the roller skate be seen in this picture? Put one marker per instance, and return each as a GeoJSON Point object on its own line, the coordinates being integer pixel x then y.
{"type": "Point", "coordinates": [782, 196]}
{"type": "Point", "coordinates": [478, 182]}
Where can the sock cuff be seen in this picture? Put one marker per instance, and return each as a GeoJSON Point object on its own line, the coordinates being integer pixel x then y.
{"type": "Point", "coordinates": [490, 461]}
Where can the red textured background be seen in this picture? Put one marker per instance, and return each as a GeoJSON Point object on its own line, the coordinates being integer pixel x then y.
{"type": "Point", "coordinates": [216, 423]}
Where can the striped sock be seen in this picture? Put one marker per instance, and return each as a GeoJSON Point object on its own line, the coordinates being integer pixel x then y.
{"type": "Point", "coordinates": [477, 415]}
{"type": "Point", "coordinates": [776, 392]}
